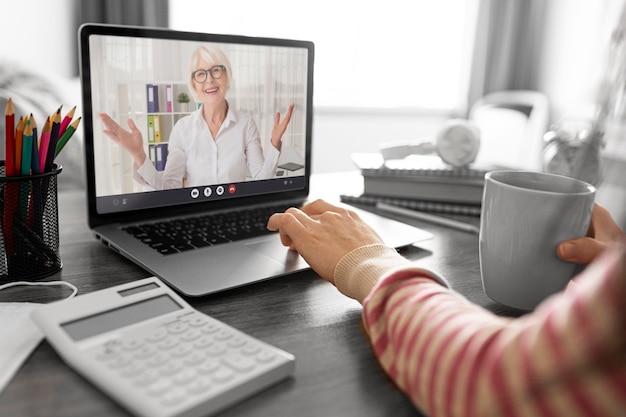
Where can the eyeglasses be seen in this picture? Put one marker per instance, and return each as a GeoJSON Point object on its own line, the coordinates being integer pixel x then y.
{"type": "Point", "coordinates": [201, 75]}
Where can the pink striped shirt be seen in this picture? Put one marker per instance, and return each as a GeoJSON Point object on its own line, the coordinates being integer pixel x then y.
{"type": "Point", "coordinates": [453, 358]}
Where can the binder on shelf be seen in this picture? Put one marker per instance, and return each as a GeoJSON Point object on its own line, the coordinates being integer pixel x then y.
{"type": "Point", "coordinates": [150, 128]}
{"type": "Point", "coordinates": [152, 153]}
{"type": "Point", "coordinates": [161, 156]}
{"type": "Point", "coordinates": [169, 97]}
{"type": "Point", "coordinates": [153, 98]}
{"type": "Point", "coordinates": [423, 178]}
{"type": "Point", "coordinates": [156, 119]}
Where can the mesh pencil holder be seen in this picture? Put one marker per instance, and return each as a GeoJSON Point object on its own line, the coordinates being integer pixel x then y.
{"type": "Point", "coordinates": [29, 238]}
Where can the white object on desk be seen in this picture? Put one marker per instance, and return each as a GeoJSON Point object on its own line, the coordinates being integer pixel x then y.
{"type": "Point", "coordinates": [19, 336]}
{"type": "Point", "coordinates": [148, 349]}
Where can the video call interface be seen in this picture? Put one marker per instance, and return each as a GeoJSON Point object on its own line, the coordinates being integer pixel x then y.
{"type": "Point", "coordinates": [146, 80]}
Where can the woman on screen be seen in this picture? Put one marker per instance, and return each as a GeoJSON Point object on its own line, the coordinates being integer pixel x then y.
{"type": "Point", "coordinates": [215, 144]}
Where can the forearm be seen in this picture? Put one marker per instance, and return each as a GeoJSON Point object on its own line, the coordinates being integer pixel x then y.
{"type": "Point", "coordinates": [453, 358]}
{"type": "Point", "coordinates": [427, 339]}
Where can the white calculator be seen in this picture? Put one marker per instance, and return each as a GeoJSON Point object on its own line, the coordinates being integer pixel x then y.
{"type": "Point", "coordinates": [155, 354]}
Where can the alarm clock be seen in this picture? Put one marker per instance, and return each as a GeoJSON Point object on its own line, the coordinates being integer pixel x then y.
{"type": "Point", "coordinates": [575, 155]}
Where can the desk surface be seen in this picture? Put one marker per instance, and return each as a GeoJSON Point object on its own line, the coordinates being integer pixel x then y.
{"type": "Point", "coordinates": [336, 371]}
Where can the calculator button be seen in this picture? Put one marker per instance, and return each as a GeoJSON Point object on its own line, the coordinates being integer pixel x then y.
{"type": "Point", "coordinates": [181, 351]}
{"type": "Point", "coordinates": [171, 368]}
{"type": "Point", "coordinates": [203, 343]}
{"type": "Point", "coordinates": [210, 328]}
{"type": "Point", "coordinates": [223, 375]}
{"type": "Point", "coordinates": [133, 344]}
{"type": "Point", "coordinates": [236, 342]}
{"type": "Point", "coordinates": [146, 378]}
{"type": "Point", "coordinates": [145, 352]}
{"type": "Point", "coordinates": [265, 357]}
{"type": "Point", "coordinates": [120, 362]}
{"type": "Point", "coordinates": [197, 321]}
{"type": "Point", "coordinates": [107, 354]}
{"type": "Point", "coordinates": [250, 349]}
{"type": "Point", "coordinates": [185, 377]}
{"type": "Point", "coordinates": [196, 358]}
{"type": "Point", "coordinates": [177, 328]}
{"type": "Point", "coordinates": [175, 396]}
{"type": "Point", "coordinates": [168, 343]}
{"type": "Point", "coordinates": [157, 335]}
{"type": "Point", "coordinates": [199, 386]}
{"type": "Point", "coordinates": [239, 363]}
{"type": "Point", "coordinates": [223, 335]}
{"type": "Point", "coordinates": [158, 388]}
{"type": "Point", "coordinates": [158, 360]}
{"type": "Point", "coordinates": [132, 370]}
{"type": "Point", "coordinates": [215, 350]}
{"type": "Point", "coordinates": [209, 367]}
{"type": "Point", "coordinates": [190, 336]}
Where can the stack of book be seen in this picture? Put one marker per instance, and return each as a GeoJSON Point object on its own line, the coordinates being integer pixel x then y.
{"type": "Point", "coordinates": [420, 182]}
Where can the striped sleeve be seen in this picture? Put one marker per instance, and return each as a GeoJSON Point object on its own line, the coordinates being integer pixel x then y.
{"type": "Point", "coordinates": [453, 358]}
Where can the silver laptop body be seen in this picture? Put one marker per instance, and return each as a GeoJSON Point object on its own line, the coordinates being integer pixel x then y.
{"type": "Point", "coordinates": [141, 74]}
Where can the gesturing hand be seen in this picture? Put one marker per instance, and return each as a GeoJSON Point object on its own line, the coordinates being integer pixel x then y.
{"type": "Point", "coordinates": [131, 141]}
{"type": "Point", "coordinates": [279, 127]}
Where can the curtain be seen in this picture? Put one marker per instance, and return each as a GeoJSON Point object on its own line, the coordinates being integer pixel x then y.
{"type": "Point", "coordinates": [508, 39]}
{"type": "Point", "coordinates": [153, 13]}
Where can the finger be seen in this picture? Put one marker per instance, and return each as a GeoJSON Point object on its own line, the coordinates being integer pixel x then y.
{"type": "Point", "coordinates": [321, 206]}
{"type": "Point", "coordinates": [289, 112]}
{"type": "Point", "coordinates": [582, 250]}
{"type": "Point", "coordinates": [132, 125]}
{"type": "Point", "coordinates": [107, 121]}
{"type": "Point", "coordinates": [603, 227]}
{"type": "Point", "coordinates": [287, 224]}
{"type": "Point", "coordinates": [274, 224]}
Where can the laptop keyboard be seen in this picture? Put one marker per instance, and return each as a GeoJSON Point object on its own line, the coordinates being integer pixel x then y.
{"type": "Point", "coordinates": [179, 235]}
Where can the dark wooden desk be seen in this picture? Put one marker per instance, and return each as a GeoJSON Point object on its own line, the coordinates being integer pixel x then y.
{"type": "Point", "coordinates": [336, 371]}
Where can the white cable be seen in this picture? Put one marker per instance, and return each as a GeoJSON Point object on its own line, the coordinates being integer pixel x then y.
{"type": "Point", "coordinates": [44, 283]}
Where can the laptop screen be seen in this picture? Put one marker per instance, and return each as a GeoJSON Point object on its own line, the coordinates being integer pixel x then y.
{"type": "Point", "coordinates": [181, 119]}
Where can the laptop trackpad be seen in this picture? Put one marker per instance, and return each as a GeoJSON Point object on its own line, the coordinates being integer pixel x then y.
{"type": "Point", "coordinates": [273, 249]}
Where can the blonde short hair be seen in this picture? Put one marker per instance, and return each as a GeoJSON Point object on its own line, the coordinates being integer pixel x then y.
{"type": "Point", "coordinates": [212, 55]}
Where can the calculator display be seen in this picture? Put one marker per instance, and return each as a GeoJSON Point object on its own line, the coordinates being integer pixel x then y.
{"type": "Point", "coordinates": [119, 317]}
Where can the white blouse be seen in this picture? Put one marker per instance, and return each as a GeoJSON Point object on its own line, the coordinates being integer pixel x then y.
{"type": "Point", "coordinates": [195, 155]}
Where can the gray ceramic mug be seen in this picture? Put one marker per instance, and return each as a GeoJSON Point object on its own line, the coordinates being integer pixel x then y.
{"type": "Point", "coordinates": [525, 215]}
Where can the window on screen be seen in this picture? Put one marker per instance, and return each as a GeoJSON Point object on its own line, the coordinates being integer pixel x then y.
{"type": "Point", "coordinates": [369, 54]}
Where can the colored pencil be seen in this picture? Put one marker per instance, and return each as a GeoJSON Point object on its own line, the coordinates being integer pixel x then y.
{"type": "Point", "coordinates": [33, 123]}
{"type": "Point", "coordinates": [10, 191]}
{"type": "Point", "coordinates": [44, 144]}
{"type": "Point", "coordinates": [34, 163]}
{"type": "Point", "coordinates": [27, 152]}
{"type": "Point", "coordinates": [27, 148]}
{"type": "Point", "coordinates": [19, 132]}
{"type": "Point", "coordinates": [69, 132]}
{"type": "Point", "coordinates": [66, 121]}
{"type": "Point", "coordinates": [9, 129]}
{"type": "Point", "coordinates": [54, 137]}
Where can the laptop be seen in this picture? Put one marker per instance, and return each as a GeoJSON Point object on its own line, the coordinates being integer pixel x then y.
{"type": "Point", "coordinates": [141, 74]}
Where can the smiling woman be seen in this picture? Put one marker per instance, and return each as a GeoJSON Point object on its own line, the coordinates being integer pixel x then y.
{"type": "Point", "coordinates": [368, 54]}
{"type": "Point", "coordinates": [214, 144]}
